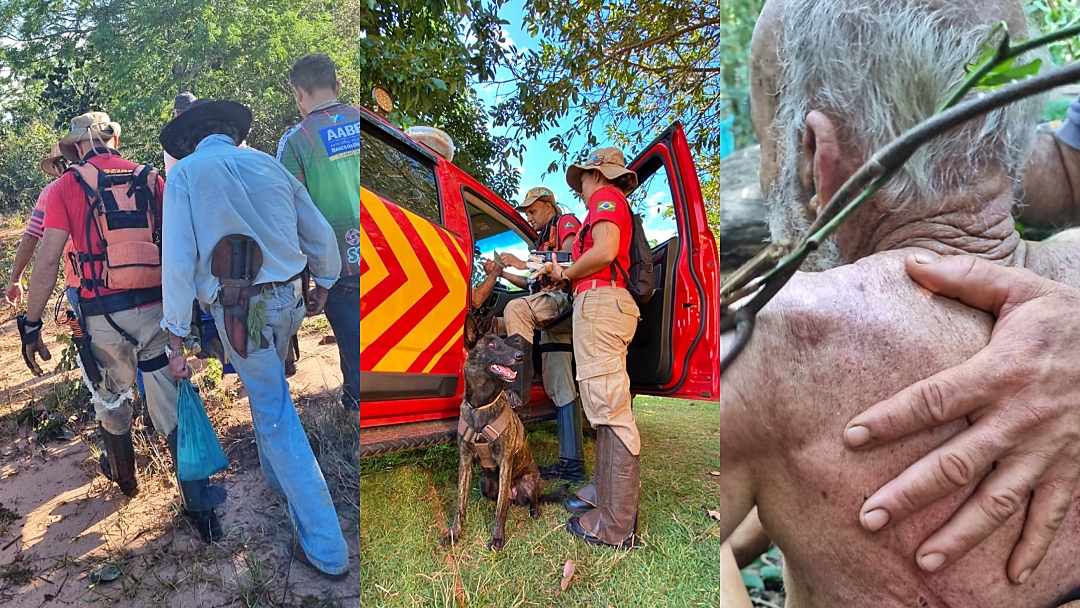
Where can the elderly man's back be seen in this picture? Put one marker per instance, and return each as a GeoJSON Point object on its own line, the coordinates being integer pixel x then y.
{"type": "Point", "coordinates": [830, 345]}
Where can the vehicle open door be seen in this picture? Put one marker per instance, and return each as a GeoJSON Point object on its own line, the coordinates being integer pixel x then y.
{"type": "Point", "coordinates": [675, 351]}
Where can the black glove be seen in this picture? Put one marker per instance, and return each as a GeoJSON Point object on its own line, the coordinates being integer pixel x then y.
{"type": "Point", "coordinates": [32, 344]}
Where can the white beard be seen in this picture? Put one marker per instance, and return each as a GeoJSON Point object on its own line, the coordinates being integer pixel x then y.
{"type": "Point", "coordinates": [786, 222]}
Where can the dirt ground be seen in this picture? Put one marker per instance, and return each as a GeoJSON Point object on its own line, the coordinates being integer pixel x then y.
{"type": "Point", "coordinates": [60, 519]}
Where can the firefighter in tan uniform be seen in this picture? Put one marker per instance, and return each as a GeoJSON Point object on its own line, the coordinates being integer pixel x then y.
{"type": "Point", "coordinates": [522, 316]}
{"type": "Point", "coordinates": [605, 319]}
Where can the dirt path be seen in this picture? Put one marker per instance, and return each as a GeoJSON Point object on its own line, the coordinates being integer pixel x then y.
{"type": "Point", "coordinates": [60, 519]}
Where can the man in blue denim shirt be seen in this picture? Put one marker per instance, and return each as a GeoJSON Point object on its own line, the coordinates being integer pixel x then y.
{"type": "Point", "coordinates": [219, 189]}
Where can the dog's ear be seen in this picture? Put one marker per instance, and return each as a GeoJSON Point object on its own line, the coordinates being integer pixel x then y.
{"type": "Point", "coordinates": [472, 331]}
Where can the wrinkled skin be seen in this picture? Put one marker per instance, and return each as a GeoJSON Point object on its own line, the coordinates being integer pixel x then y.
{"type": "Point", "coordinates": [829, 346]}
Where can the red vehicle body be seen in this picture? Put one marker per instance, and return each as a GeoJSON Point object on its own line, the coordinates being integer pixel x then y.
{"type": "Point", "coordinates": [421, 218]}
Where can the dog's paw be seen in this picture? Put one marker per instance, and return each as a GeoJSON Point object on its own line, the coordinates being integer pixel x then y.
{"type": "Point", "coordinates": [447, 540]}
{"type": "Point", "coordinates": [535, 512]}
{"type": "Point", "coordinates": [496, 543]}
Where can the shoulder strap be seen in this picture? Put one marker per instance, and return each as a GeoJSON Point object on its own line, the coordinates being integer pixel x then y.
{"type": "Point", "coordinates": [87, 177]}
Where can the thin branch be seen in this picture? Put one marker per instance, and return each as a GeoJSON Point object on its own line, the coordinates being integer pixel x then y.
{"type": "Point", "coordinates": [46, 36]}
{"type": "Point", "coordinates": [871, 176]}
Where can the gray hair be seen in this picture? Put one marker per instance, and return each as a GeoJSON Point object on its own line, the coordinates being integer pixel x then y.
{"type": "Point", "coordinates": [878, 68]}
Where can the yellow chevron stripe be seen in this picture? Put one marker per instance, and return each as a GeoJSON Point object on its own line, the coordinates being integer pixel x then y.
{"type": "Point", "coordinates": [376, 271]}
{"type": "Point", "coordinates": [445, 348]}
{"type": "Point", "coordinates": [377, 321]}
{"type": "Point", "coordinates": [441, 315]}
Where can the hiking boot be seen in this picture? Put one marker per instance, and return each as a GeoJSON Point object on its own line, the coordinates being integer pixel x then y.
{"type": "Point", "coordinates": [117, 461]}
{"type": "Point", "coordinates": [565, 468]}
{"type": "Point", "coordinates": [522, 384]}
{"type": "Point", "coordinates": [617, 478]}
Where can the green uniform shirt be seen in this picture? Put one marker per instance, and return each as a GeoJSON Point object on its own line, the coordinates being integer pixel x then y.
{"type": "Point", "coordinates": [323, 152]}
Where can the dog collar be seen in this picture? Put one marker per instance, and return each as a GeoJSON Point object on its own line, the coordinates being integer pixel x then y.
{"type": "Point", "coordinates": [497, 397]}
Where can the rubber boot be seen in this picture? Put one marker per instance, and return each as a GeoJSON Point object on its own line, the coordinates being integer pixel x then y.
{"type": "Point", "coordinates": [118, 461]}
{"type": "Point", "coordinates": [522, 385]}
{"type": "Point", "coordinates": [618, 485]}
{"type": "Point", "coordinates": [199, 499]}
{"type": "Point", "coordinates": [571, 463]}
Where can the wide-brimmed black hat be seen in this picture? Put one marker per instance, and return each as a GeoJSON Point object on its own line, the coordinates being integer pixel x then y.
{"type": "Point", "coordinates": [201, 110]}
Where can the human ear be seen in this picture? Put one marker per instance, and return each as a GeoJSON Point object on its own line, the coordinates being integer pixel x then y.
{"type": "Point", "coordinates": [819, 162]}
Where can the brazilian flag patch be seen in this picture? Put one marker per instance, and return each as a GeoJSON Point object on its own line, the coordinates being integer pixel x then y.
{"type": "Point", "coordinates": [606, 206]}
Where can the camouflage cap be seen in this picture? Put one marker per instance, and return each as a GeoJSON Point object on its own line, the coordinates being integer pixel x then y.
{"type": "Point", "coordinates": [539, 193]}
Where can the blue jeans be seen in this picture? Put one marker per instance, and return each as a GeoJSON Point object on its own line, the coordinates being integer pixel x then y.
{"type": "Point", "coordinates": [73, 299]}
{"type": "Point", "coordinates": [287, 461]}
{"type": "Point", "coordinates": [343, 313]}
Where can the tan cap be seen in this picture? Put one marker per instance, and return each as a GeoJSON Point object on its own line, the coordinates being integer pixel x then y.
{"type": "Point", "coordinates": [609, 161]}
{"type": "Point", "coordinates": [48, 164]}
{"type": "Point", "coordinates": [92, 126]}
{"type": "Point", "coordinates": [539, 193]}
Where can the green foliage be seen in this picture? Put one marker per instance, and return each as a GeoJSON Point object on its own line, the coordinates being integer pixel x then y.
{"type": "Point", "coordinates": [67, 359]}
{"type": "Point", "coordinates": [213, 374]}
{"type": "Point", "coordinates": [628, 70]}
{"type": "Point", "coordinates": [21, 147]}
{"type": "Point", "coordinates": [427, 53]}
{"type": "Point", "coordinates": [67, 57]}
{"type": "Point", "coordinates": [1052, 15]}
{"type": "Point", "coordinates": [50, 415]}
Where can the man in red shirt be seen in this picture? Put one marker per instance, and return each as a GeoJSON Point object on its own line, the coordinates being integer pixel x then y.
{"type": "Point", "coordinates": [555, 232]}
{"type": "Point", "coordinates": [121, 313]}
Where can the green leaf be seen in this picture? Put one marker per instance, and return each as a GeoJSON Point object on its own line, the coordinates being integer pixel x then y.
{"type": "Point", "coordinates": [257, 322]}
{"type": "Point", "coordinates": [1005, 74]}
{"type": "Point", "coordinates": [439, 83]}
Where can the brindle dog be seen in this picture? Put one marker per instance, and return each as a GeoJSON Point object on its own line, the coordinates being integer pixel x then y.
{"type": "Point", "coordinates": [515, 476]}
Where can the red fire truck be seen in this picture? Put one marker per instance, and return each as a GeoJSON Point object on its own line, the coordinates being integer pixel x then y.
{"type": "Point", "coordinates": [424, 222]}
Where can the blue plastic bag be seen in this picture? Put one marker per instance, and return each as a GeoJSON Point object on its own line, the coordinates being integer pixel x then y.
{"type": "Point", "coordinates": [198, 451]}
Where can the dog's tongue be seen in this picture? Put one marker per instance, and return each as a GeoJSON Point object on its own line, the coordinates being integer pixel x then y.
{"type": "Point", "coordinates": [504, 371]}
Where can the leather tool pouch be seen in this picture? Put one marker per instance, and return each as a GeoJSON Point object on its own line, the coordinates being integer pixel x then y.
{"type": "Point", "coordinates": [236, 261]}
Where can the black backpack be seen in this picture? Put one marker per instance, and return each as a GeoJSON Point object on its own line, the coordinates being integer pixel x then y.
{"type": "Point", "coordinates": [640, 278]}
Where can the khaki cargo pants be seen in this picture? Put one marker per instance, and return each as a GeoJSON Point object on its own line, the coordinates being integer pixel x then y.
{"type": "Point", "coordinates": [118, 360]}
{"type": "Point", "coordinates": [605, 319]}
{"type": "Point", "coordinates": [522, 316]}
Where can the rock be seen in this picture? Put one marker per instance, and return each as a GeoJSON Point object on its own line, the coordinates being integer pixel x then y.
{"type": "Point", "coordinates": [743, 230]}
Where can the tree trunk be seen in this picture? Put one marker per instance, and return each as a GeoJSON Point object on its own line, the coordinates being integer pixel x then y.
{"type": "Point", "coordinates": [743, 229]}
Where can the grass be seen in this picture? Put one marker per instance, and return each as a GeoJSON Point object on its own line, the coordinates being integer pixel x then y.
{"type": "Point", "coordinates": [406, 499]}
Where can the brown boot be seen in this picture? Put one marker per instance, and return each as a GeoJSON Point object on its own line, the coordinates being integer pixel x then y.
{"type": "Point", "coordinates": [617, 478]}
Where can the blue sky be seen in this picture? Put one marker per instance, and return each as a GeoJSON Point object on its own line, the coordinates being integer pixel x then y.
{"type": "Point", "coordinates": [538, 155]}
